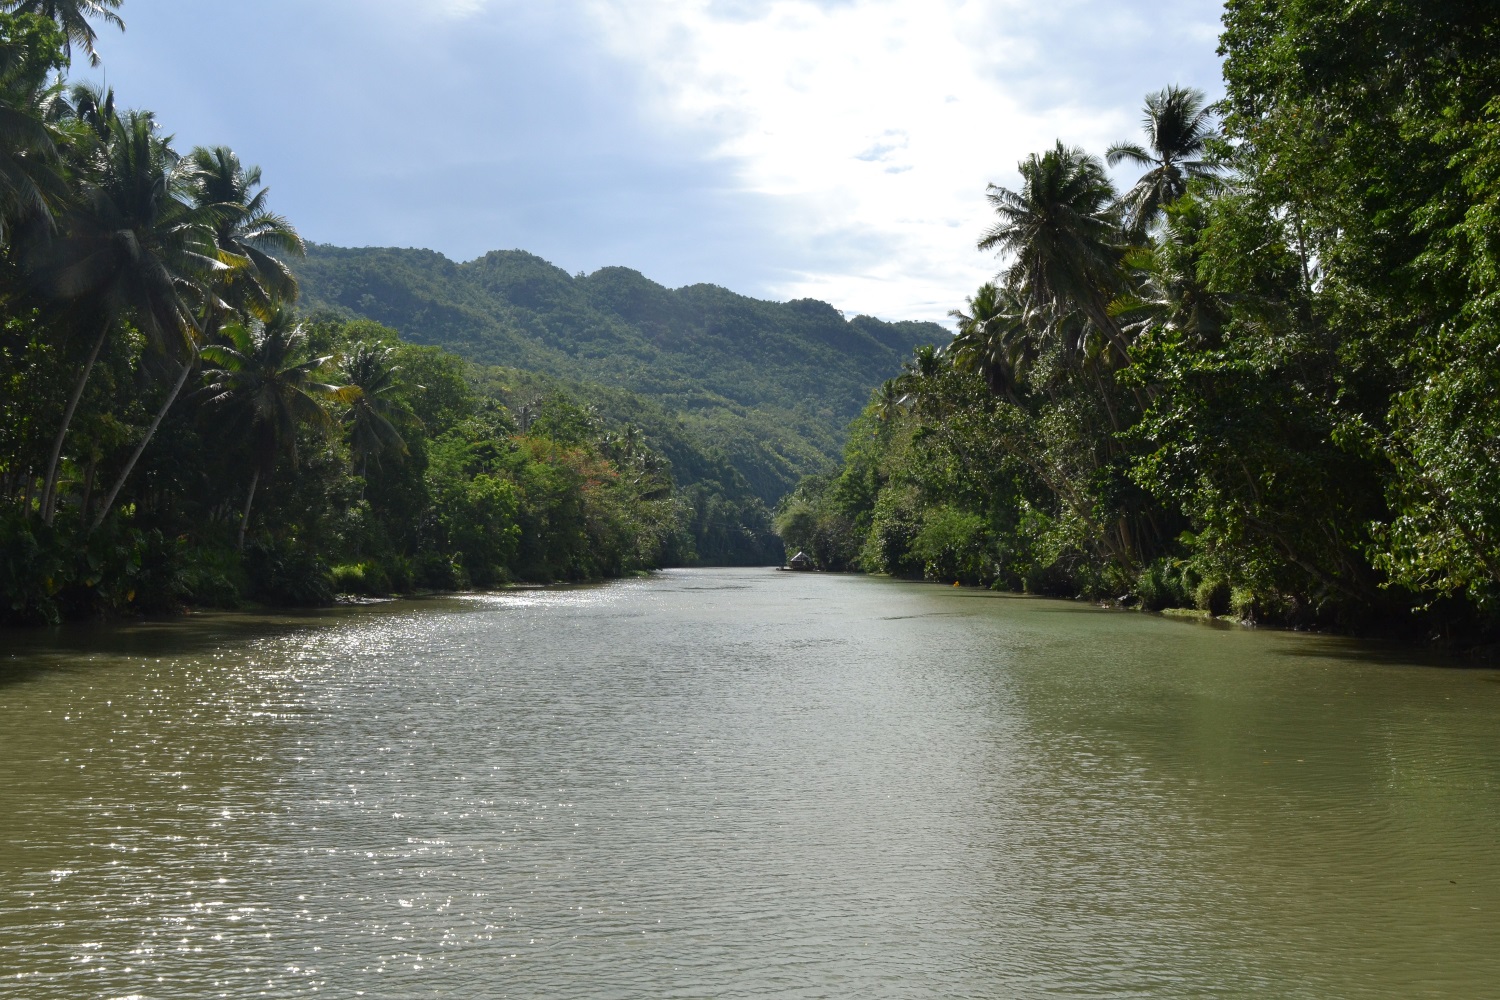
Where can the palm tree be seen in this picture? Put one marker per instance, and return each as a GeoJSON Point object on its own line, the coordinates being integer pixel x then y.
{"type": "Point", "coordinates": [1171, 297]}
{"type": "Point", "coordinates": [246, 229]}
{"type": "Point", "coordinates": [72, 16]}
{"type": "Point", "coordinates": [31, 181]}
{"type": "Point", "coordinates": [993, 340]}
{"type": "Point", "coordinates": [264, 375]}
{"type": "Point", "coordinates": [91, 107]}
{"type": "Point", "coordinates": [1179, 127]}
{"type": "Point", "coordinates": [129, 244]}
{"type": "Point", "coordinates": [252, 279]}
{"type": "Point", "coordinates": [371, 381]}
{"type": "Point", "coordinates": [1061, 231]}
{"type": "Point", "coordinates": [891, 402]}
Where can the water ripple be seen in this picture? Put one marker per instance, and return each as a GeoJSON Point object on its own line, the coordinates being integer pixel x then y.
{"type": "Point", "coordinates": [741, 784]}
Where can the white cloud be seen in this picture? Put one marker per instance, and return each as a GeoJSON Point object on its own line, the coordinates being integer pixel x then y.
{"type": "Point", "coordinates": [876, 124]}
{"type": "Point", "coordinates": [443, 10]}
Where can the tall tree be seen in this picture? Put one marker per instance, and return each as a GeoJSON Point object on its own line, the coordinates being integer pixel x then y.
{"type": "Point", "coordinates": [130, 243]}
{"type": "Point", "coordinates": [1062, 234]}
{"type": "Point", "coordinates": [31, 182]}
{"type": "Point", "coordinates": [265, 377]}
{"type": "Point", "coordinates": [1179, 127]}
{"type": "Point", "coordinates": [251, 281]}
{"type": "Point", "coordinates": [245, 228]}
{"type": "Point", "coordinates": [993, 340]}
{"type": "Point", "coordinates": [1373, 131]}
{"type": "Point", "coordinates": [371, 392]}
{"type": "Point", "coordinates": [73, 17]}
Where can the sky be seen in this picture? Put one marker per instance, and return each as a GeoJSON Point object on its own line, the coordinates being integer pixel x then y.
{"type": "Point", "coordinates": [833, 149]}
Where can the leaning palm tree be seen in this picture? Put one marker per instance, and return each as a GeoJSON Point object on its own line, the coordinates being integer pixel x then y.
{"type": "Point", "coordinates": [372, 382]}
{"type": "Point", "coordinates": [1179, 128]}
{"type": "Point", "coordinates": [264, 376]}
{"type": "Point", "coordinates": [250, 278]}
{"type": "Point", "coordinates": [246, 229]}
{"type": "Point", "coordinates": [245, 274]}
{"type": "Point", "coordinates": [72, 16]}
{"type": "Point", "coordinates": [1061, 232]}
{"type": "Point", "coordinates": [128, 245]}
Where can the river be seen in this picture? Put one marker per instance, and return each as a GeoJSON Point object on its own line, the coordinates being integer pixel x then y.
{"type": "Point", "coordinates": [741, 783]}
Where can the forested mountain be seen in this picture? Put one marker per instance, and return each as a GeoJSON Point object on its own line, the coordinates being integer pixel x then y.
{"type": "Point", "coordinates": [773, 384]}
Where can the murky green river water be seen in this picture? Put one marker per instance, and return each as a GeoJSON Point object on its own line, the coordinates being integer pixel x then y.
{"type": "Point", "coordinates": [741, 784]}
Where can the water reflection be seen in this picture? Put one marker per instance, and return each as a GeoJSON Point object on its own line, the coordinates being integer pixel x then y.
{"type": "Point", "coordinates": [735, 783]}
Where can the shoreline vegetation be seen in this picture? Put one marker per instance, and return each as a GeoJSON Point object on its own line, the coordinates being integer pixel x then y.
{"type": "Point", "coordinates": [768, 388]}
{"type": "Point", "coordinates": [174, 435]}
{"type": "Point", "coordinates": [1261, 382]}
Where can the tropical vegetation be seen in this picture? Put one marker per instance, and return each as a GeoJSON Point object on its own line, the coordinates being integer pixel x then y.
{"type": "Point", "coordinates": [174, 432]}
{"type": "Point", "coordinates": [1260, 381]}
{"type": "Point", "coordinates": [1255, 377]}
{"type": "Point", "coordinates": [773, 385]}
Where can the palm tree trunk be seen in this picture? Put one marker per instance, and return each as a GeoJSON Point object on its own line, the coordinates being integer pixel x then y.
{"type": "Point", "coordinates": [1097, 310]}
{"type": "Point", "coordinates": [109, 501]}
{"type": "Point", "coordinates": [245, 517]}
{"type": "Point", "coordinates": [88, 485]}
{"type": "Point", "coordinates": [1109, 406]}
{"type": "Point", "coordinates": [49, 488]}
{"type": "Point", "coordinates": [212, 321]}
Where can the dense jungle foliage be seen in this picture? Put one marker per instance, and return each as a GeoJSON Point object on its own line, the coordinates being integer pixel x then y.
{"type": "Point", "coordinates": [773, 384]}
{"type": "Point", "coordinates": [172, 433]}
{"type": "Point", "coordinates": [1260, 382]}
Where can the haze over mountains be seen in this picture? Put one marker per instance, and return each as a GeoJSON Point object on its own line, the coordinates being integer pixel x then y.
{"type": "Point", "coordinates": [772, 385]}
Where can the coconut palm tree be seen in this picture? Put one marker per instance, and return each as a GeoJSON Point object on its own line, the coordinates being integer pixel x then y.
{"type": "Point", "coordinates": [251, 280]}
{"type": "Point", "coordinates": [73, 17]}
{"type": "Point", "coordinates": [993, 340]}
{"type": "Point", "coordinates": [371, 379]}
{"type": "Point", "coordinates": [246, 229]}
{"type": "Point", "coordinates": [31, 182]}
{"type": "Point", "coordinates": [92, 108]}
{"type": "Point", "coordinates": [264, 376]}
{"type": "Point", "coordinates": [891, 401]}
{"type": "Point", "coordinates": [1179, 127]}
{"type": "Point", "coordinates": [129, 244]}
{"type": "Point", "coordinates": [1061, 232]}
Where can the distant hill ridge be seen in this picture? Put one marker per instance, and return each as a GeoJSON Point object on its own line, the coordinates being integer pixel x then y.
{"type": "Point", "coordinates": [779, 379]}
{"type": "Point", "coordinates": [514, 308]}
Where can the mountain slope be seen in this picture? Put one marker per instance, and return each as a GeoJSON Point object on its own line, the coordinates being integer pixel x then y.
{"type": "Point", "coordinates": [774, 384]}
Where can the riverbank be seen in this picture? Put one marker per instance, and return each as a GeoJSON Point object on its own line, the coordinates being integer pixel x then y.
{"type": "Point", "coordinates": [124, 574]}
{"type": "Point", "coordinates": [1476, 646]}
